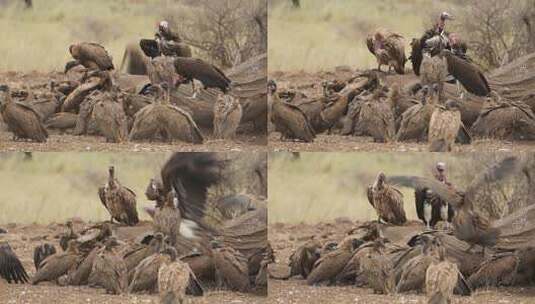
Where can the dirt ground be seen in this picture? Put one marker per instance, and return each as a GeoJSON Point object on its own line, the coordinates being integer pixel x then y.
{"type": "Point", "coordinates": [285, 238]}
{"type": "Point", "coordinates": [23, 239]}
{"type": "Point", "coordinates": [246, 140]}
{"type": "Point", "coordinates": [310, 85]}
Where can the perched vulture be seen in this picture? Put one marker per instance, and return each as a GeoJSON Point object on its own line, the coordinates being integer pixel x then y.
{"type": "Point", "coordinates": [21, 118]}
{"type": "Point", "coordinates": [303, 258]}
{"type": "Point", "coordinates": [434, 70]}
{"type": "Point", "coordinates": [79, 274]}
{"type": "Point", "coordinates": [376, 119]}
{"type": "Point", "coordinates": [287, 118]}
{"type": "Point", "coordinates": [377, 269]}
{"type": "Point", "coordinates": [227, 116]}
{"type": "Point", "coordinates": [57, 265]}
{"type": "Point", "coordinates": [469, 226]}
{"type": "Point", "coordinates": [387, 201]}
{"type": "Point", "coordinates": [167, 48]}
{"type": "Point", "coordinates": [145, 275]}
{"type": "Point", "coordinates": [389, 49]}
{"type": "Point", "coordinates": [414, 124]}
{"type": "Point", "coordinates": [175, 278]}
{"type": "Point", "coordinates": [441, 278]}
{"type": "Point", "coordinates": [41, 252]}
{"type": "Point", "coordinates": [167, 219]}
{"type": "Point", "coordinates": [91, 55]}
{"type": "Point", "coordinates": [118, 200]}
{"type": "Point", "coordinates": [110, 119]}
{"type": "Point", "coordinates": [67, 236]}
{"type": "Point", "coordinates": [329, 265]}
{"type": "Point", "coordinates": [137, 254]}
{"type": "Point", "coordinates": [414, 270]}
{"type": "Point", "coordinates": [431, 209]}
{"type": "Point", "coordinates": [500, 270]}
{"type": "Point", "coordinates": [208, 74]}
{"type": "Point", "coordinates": [61, 121]}
{"type": "Point", "coordinates": [231, 268]}
{"type": "Point", "coordinates": [11, 268]}
{"type": "Point", "coordinates": [109, 270]}
{"type": "Point", "coordinates": [154, 192]}
{"type": "Point", "coordinates": [444, 126]}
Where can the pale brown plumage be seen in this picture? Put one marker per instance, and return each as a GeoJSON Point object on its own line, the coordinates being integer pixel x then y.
{"type": "Point", "coordinates": [109, 270]}
{"type": "Point", "coordinates": [377, 270]}
{"type": "Point", "coordinates": [434, 70]}
{"type": "Point", "coordinates": [79, 274]}
{"type": "Point", "coordinates": [175, 278]}
{"type": "Point", "coordinates": [388, 48]}
{"type": "Point", "coordinates": [61, 121]}
{"type": "Point", "coordinates": [137, 254]}
{"type": "Point", "coordinates": [444, 125]}
{"type": "Point", "coordinates": [303, 258]}
{"type": "Point", "coordinates": [22, 120]}
{"type": "Point", "coordinates": [227, 116]}
{"type": "Point", "coordinates": [154, 192]}
{"type": "Point", "coordinates": [387, 201]}
{"type": "Point", "coordinates": [91, 56]}
{"type": "Point", "coordinates": [414, 270]}
{"type": "Point", "coordinates": [68, 235]}
{"type": "Point", "coordinates": [145, 277]}
{"type": "Point", "coordinates": [167, 218]}
{"type": "Point", "coordinates": [110, 120]}
{"type": "Point", "coordinates": [376, 119]}
{"type": "Point", "coordinates": [330, 264]}
{"type": "Point", "coordinates": [119, 200]}
{"type": "Point", "coordinates": [440, 280]}
{"type": "Point", "coordinates": [414, 124]}
{"type": "Point", "coordinates": [288, 119]}
{"type": "Point", "coordinates": [57, 264]}
{"type": "Point", "coordinates": [231, 268]}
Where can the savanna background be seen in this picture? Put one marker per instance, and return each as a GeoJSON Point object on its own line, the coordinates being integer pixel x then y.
{"type": "Point", "coordinates": [320, 187]}
{"type": "Point", "coordinates": [320, 35]}
{"type": "Point", "coordinates": [37, 39]}
{"type": "Point", "coordinates": [54, 187]}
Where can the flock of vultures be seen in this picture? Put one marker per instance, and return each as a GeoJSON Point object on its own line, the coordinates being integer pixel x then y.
{"type": "Point", "coordinates": [93, 99]}
{"type": "Point", "coordinates": [459, 250]}
{"type": "Point", "coordinates": [188, 250]}
{"type": "Point", "coordinates": [448, 101]}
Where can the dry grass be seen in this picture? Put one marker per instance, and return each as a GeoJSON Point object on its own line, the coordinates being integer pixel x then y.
{"type": "Point", "coordinates": [324, 186]}
{"type": "Point", "coordinates": [53, 187]}
{"type": "Point", "coordinates": [38, 39]}
{"type": "Point", "coordinates": [324, 34]}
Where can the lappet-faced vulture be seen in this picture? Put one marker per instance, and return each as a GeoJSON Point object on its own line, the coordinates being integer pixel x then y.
{"type": "Point", "coordinates": [388, 48]}
{"type": "Point", "coordinates": [387, 201]}
{"type": "Point", "coordinates": [92, 56]}
{"type": "Point", "coordinates": [11, 268]}
{"type": "Point", "coordinates": [118, 200]}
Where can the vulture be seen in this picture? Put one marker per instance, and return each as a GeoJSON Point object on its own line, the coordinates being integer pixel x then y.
{"type": "Point", "coordinates": [61, 121]}
{"type": "Point", "coordinates": [231, 268]}
{"type": "Point", "coordinates": [329, 265]}
{"type": "Point", "coordinates": [137, 254]}
{"type": "Point", "coordinates": [110, 119]}
{"type": "Point", "coordinates": [175, 278]}
{"type": "Point", "coordinates": [118, 200]}
{"type": "Point", "coordinates": [303, 258]}
{"type": "Point", "coordinates": [387, 201]}
{"type": "Point", "coordinates": [21, 118]}
{"type": "Point", "coordinates": [67, 236]}
{"type": "Point", "coordinates": [145, 275]}
{"type": "Point", "coordinates": [431, 209]}
{"type": "Point", "coordinates": [57, 265]}
{"type": "Point", "coordinates": [167, 219]}
{"type": "Point", "coordinates": [441, 279]}
{"type": "Point", "coordinates": [11, 268]}
{"type": "Point", "coordinates": [388, 48]}
{"type": "Point", "coordinates": [352, 268]}
{"type": "Point", "coordinates": [109, 270]}
{"type": "Point", "coordinates": [154, 192]}
{"type": "Point", "coordinates": [499, 270]}
{"type": "Point", "coordinates": [469, 226]}
{"type": "Point", "coordinates": [444, 126]}
{"type": "Point", "coordinates": [376, 119]}
{"type": "Point", "coordinates": [152, 49]}
{"type": "Point", "coordinates": [208, 74]}
{"type": "Point", "coordinates": [79, 275]}
{"type": "Point", "coordinates": [377, 269]}
{"type": "Point", "coordinates": [162, 70]}
{"type": "Point", "coordinates": [227, 116]}
{"type": "Point", "coordinates": [287, 118]}
{"type": "Point", "coordinates": [41, 252]}
{"type": "Point", "coordinates": [92, 56]}
{"type": "Point", "coordinates": [414, 270]}
{"type": "Point", "coordinates": [414, 122]}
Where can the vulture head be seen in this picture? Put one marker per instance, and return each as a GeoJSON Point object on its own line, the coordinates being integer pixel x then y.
{"type": "Point", "coordinates": [272, 87]}
{"type": "Point", "coordinates": [428, 193]}
{"type": "Point", "coordinates": [163, 26]}
{"type": "Point", "coordinates": [71, 64]}
{"type": "Point", "coordinates": [171, 252]}
{"type": "Point", "coordinates": [379, 181]}
{"type": "Point", "coordinates": [446, 16]}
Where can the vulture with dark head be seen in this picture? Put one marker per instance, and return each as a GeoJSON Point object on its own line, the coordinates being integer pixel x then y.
{"type": "Point", "coordinates": [287, 118]}
{"type": "Point", "coordinates": [389, 49]}
{"type": "Point", "coordinates": [92, 56]}
{"type": "Point", "coordinates": [227, 116]}
{"type": "Point", "coordinates": [153, 48]}
{"type": "Point", "coordinates": [21, 118]}
{"type": "Point", "coordinates": [11, 268]}
{"type": "Point", "coordinates": [118, 200]}
{"type": "Point", "coordinates": [387, 201]}
{"type": "Point", "coordinates": [469, 226]}
{"type": "Point", "coordinates": [444, 126]}
{"type": "Point", "coordinates": [154, 192]}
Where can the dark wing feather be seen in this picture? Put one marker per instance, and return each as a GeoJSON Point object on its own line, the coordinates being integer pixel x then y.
{"type": "Point", "coordinates": [102, 197]}
{"type": "Point", "coordinates": [194, 287]}
{"type": "Point", "coordinates": [369, 43]}
{"type": "Point", "coordinates": [11, 268]}
{"type": "Point", "coordinates": [419, 198]}
{"type": "Point", "coordinates": [149, 47]}
{"type": "Point", "coordinates": [462, 288]}
{"type": "Point", "coordinates": [221, 73]}
{"type": "Point", "coordinates": [369, 193]}
{"type": "Point", "coordinates": [416, 56]}
{"type": "Point", "coordinates": [470, 76]}
{"type": "Point", "coordinates": [443, 191]}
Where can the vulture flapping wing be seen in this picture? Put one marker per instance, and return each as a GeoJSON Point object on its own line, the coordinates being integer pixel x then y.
{"type": "Point", "coordinates": [150, 47]}
{"type": "Point", "coordinates": [11, 268]}
{"type": "Point", "coordinates": [92, 52]}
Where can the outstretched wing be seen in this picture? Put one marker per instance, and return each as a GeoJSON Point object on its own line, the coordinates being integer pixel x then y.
{"type": "Point", "coordinates": [469, 75]}
{"type": "Point", "coordinates": [440, 189]}
{"type": "Point", "coordinates": [150, 47]}
{"type": "Point", "coordinates": [11, 268]}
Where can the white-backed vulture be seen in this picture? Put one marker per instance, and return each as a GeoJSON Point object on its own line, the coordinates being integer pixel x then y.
{"type": "Point", "coordinates": [387, 201]}
{"type": "Point", "coordinates": [175, 278]}
{"type": "Point", "coordinates": [444, 126]}
{"type": "Point", "coordinates": [388, 48]}
{"type": "Point", "coordinates": [414, 271]}
{"type": "Point", "coordinates": [327, 267]}
{"type": "Point", "coordinates": [109, 270]}
{"type": "Point", "coordinates": [41, 252]}
{"type": "Point", "coordinates": [499, 270]}
{"type": "Point", "coordinates": [377, 269]}
{"type": "Point", "coordinates": [118, 200]}
{"type": "Point", "coordinates": [440, 279]}
{"type": "Point", "coordinates": [231, 268]}
{"type": "Point", "coordinates": [92, 56]}
{"type": "Point", "coordinates": [227, 116]}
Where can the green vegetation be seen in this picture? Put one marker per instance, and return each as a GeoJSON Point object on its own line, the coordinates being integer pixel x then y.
{"type": "Point", "coordinates": [324, 34]}
{"type": "Point", "coordinates": [324, 186]}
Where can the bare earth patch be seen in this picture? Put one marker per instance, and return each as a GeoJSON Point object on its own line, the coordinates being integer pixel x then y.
{"type": "Point", "coordinates": [285, 238]}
